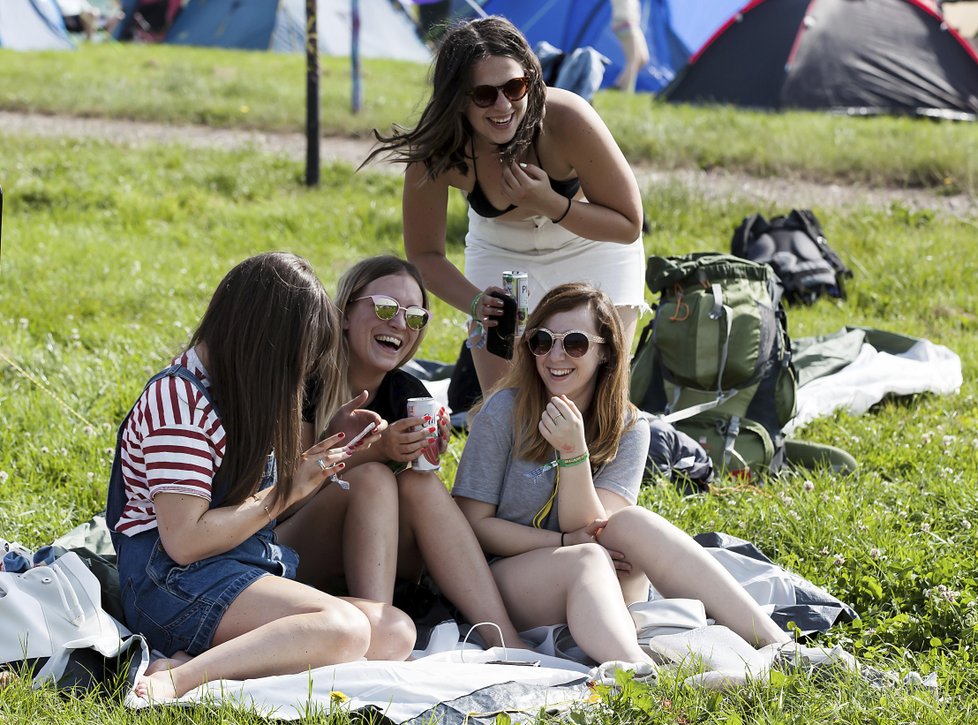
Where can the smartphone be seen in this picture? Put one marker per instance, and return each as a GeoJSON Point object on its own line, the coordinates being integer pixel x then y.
{"type": "Point", "coordinates": [360, 436]}
{"type": "Point", "coordinates": [501, 339]}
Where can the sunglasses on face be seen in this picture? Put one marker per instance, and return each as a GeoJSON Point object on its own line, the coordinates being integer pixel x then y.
{"type": "Point", "coordinates": [574, 342]}
{"type": "Point", "coordinates": [386, 308]}
{"type": "Point", "coordinates": [514, 89]}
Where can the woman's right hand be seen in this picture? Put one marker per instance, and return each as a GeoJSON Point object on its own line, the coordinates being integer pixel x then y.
{"type": "Point", "coordinates": [488, 308]}
{"type": "Point", "coordinates": [318, 463]}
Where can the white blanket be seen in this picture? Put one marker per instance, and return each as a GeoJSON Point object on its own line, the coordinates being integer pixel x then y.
{"type": "Point", "coordinates": [924, 368]}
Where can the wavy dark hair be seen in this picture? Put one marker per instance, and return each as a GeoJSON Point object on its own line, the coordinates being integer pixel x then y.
{"type": "Point", "coordinates": [269, 328]}
{"type": "Point", "coordinates": [611, 413]}
{"type": "Point", "coordinates": [361, 274]}
{"type": "Point", "coordinates": [442, 132]}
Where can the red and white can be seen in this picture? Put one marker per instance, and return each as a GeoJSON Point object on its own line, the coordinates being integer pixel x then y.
{"type": "Point", "coordinates": [426, 409]}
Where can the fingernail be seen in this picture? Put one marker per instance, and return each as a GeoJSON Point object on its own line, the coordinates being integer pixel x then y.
{"type": "Point", "coordinates": [341, 465]}
{"type": "Point", "coordinates": [342, 434]}
{"type": "Point", "coordinates": [431, 429]}
{"type": "Point", "coordinates": [431, 440]}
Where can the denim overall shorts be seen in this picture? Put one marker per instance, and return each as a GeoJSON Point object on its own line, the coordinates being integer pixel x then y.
{"type": "Point", "coordinates": [179, 607]}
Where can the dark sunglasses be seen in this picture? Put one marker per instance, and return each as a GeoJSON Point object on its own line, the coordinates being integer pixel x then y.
{"type": "Point", "coordinates": [386, 308]}
{"type": "Point", "coordinates": [514, 89]}
{"type": "Point", "coordinates": [574, 342]}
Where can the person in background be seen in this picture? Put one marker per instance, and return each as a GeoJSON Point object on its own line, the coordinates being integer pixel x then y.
{"type": "Point", "coordinates": [627, 27]}
{"type": "Point", "coordinates": [215, 453]}
{"type": "Point", "coordinates": [549, 191]}
{"type": "Point", "coordinates": [549, 478]}
{"type": "Point", "coordinates": [395, 522]}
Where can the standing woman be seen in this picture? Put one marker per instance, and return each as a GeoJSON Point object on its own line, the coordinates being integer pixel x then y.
{"type": "Point", "coordinates": [395, 521]}
{"type": "Point", "coordinates": [549, 191]}
{"type": "Point", "coordinates": [213, 454]}
{"type": "Point", "coordinates": [549, 478]}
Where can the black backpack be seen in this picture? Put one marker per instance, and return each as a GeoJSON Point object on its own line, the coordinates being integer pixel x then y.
{"type": "Point", "coordinates": [798, 252]}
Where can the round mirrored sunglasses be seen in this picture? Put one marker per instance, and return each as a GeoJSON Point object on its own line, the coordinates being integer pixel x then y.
{"type": "Point", "coordinates": [575, 342]}
{"type": "Point", "coordinates": [386, 308]}
{"type": "Point", "coordinates": [514, 89]}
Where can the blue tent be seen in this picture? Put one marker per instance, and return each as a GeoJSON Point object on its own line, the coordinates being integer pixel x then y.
{"type": "Point", "coordinates": [674, 29]}
{"type": "Point", "coordinates": [32, 25]}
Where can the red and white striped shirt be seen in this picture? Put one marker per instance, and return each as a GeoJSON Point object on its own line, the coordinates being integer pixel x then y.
{"type": "Point", "coordinates": [173, 443]}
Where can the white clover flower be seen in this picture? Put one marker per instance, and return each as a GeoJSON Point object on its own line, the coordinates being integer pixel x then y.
{"type": "Point", "coordinates": [839, 560]}
{"type": "Point", "coordinates": [88, 430]}
{"type": "Point", "coordinates": [23, 323]}
{"type": "Point", "coordinates": [808, 486]}
{"type": "Point", "coordinates": [965, 524]}
{"type": "Point", "coordinates": [824, 551]}
{"type": "Point", "coordinates": [4, 476]}
{"type": "Point", "coordinates": [925, 527]}
{"type": "Point", "coordinates": [875, 553]}
{"type": "Point", "coordinates": [44, 449]}
{"type": "Point", "coordinates": [926, 437]}
{"type": "Point", "coordinates": [949, 440]}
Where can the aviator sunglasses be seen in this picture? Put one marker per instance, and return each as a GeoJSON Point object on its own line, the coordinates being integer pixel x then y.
{"type": "Point", "coordinates": [574, 342]}
{"type": "Point", "coordinates": [386, 308]}
{"type": "Point", "coordinates": [514, 89]}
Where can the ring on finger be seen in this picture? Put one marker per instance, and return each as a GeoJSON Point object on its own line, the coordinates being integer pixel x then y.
{"type": "Point", "coordinates": [322, 464]}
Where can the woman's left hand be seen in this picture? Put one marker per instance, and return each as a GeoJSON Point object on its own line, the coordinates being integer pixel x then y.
{"type": "Point", "coordinates": [528, 187]}
{"type": "Point", "coordinates": [562, 425]}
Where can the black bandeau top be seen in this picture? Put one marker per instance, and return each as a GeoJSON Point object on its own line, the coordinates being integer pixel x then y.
{"type": "Point", "coordinates": [481, 205]}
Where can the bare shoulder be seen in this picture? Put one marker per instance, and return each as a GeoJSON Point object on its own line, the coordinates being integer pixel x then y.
{"type": "Point", "coordinates": [416, 175]}
{"type": "Point", "coordinates": [569, 114]}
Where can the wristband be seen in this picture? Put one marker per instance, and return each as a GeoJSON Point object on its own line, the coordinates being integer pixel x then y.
{"type": "Point", "coordinates": [474, 306]}
{"type": "Point", "coordinates": [559, 219]}
{"type": "Point", "coordinates": [568, 462]}
{"type": "Point", "coordinates": [562, 533]}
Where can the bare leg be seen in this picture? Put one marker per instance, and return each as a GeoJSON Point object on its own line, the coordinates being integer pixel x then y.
{"type": "Point", "coordinates": [168, 663]}
{"type": "Point", "coordinates": [275, 626]}
{"type": "Point", "coordinates": [433, 525]}
{"type": "Point", "coordinates": [349, 532]}
{"type": "Point", "coordinates": [573, 584]}
{"type": "Point", "coordinates": [679, 567]}
{"type": "Point", "coordinates": [629, 322]}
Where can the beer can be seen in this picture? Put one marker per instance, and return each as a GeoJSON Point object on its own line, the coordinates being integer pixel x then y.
{"type": "Point", "coordinates": [426, 409]}
{"type": "Point", "coordinates": [517, 286]}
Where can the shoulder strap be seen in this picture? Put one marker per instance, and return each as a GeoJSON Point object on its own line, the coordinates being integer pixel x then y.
{"type": "Point", "coordinates": [179, 371]}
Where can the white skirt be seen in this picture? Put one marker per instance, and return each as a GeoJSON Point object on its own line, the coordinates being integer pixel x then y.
{"type": "Point", "coordinates": [551, 255]}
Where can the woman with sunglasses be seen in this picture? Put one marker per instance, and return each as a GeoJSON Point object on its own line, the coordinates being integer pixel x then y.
{"type": "Point", "coordinates": [549, 191]}
{"type": "Point", "coordinates": [394, 522]}
{"type": "Point", "coordinates": [548, 480]}
{"type": "Point", "coordinates": [214, 466]}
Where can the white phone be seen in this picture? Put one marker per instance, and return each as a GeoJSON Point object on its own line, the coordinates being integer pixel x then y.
{"type": "Point", "coordinates": [360, 436]}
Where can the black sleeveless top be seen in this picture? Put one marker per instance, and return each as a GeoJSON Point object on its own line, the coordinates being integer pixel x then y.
{"type": "Point", "coordinates": [481, 205]}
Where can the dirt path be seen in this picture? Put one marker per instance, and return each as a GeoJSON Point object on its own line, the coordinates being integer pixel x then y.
{"type": "Point", "coordinates": [780, 193]}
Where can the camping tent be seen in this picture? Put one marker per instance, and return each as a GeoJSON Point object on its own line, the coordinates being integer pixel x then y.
{"type": "Point", "coordinates": [32, 25]}
{"type": "Point", "coordinates": [856, 56]}
{"type": "Point", "coordinates": [385, 30]}
{"type": "Point", "coordinates": [673, 29]}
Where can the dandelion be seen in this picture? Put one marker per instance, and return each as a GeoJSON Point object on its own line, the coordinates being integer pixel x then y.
{"type": "Point", "coordinates": [808, 486]}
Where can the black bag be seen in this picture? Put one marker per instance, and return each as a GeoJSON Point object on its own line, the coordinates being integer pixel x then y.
{"type": "Point", "coordinates": [798, 252]}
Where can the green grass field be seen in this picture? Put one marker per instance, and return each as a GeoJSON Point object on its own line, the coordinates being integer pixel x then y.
{"type": "Point", "coordinates": [109, 256]}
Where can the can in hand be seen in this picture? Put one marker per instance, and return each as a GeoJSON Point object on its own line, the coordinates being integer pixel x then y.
{"type": "Point", "coordinates": [517, 286]}
{"type": "Point", "coordinates": [426, 409]}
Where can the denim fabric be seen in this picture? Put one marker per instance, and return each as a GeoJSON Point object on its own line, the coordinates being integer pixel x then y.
{"type": "Point", "coordinates": [179, 607]}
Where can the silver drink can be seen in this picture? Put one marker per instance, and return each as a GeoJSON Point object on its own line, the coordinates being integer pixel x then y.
{"type": "Point", "coordinates": [426, 409]}
{"type": "Point", "coordinates": [517, 286]}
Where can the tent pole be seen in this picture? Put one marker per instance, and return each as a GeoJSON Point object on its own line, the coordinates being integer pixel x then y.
{"type": "Point", "coordinates": [312, 96]}
{"type": "Point", "coordinates": [357, 99]}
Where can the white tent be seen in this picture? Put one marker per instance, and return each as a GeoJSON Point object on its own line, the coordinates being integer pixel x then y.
{"type": "Point", "coordinates": [32, 25]}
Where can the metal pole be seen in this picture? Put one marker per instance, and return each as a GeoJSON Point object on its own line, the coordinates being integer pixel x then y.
{"type": "Point", "coordinates": [312, 95]}
{"type": "Point", "coordinates": [357, 100]}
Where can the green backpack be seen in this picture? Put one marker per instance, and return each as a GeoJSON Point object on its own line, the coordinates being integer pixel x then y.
{"type": "Point", "coordinates": [716, 359]}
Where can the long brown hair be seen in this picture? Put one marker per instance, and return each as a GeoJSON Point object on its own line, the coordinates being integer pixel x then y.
{"type": "Point", "coordinates": [270, 327]}
{"type": "Point", "coordinates": [442, 132]}
{"type": "Point", "coordinates": [610, 414]}
{"type": "Point", "coordinates": [361, 274]}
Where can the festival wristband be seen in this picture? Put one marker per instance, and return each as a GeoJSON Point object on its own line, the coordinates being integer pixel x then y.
{"type": "Point", "coordinates": [568, 462]}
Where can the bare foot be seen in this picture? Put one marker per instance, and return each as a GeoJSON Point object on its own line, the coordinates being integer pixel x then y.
{"type": "Point", "coordinates": [157, 687]}
{"type": "Point", "coordinates": [165, 664]}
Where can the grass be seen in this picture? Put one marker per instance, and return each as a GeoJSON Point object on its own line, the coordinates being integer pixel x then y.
{"type": "Point", "coordinates": [109, 257]}
{"type": "Point", "coordinates": [267, 91]}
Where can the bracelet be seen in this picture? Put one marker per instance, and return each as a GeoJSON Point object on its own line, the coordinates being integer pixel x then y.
{"type": "Point", "coordinates": [475, 305]}
{"type": "Point", "coordinates": [263, 505]}
{"type": "Point", "coordinates": [562, 534]}
{"type": "Point", "coordinates": [568, 462]}
{"type": "Point", "coordinates": [559, 219]}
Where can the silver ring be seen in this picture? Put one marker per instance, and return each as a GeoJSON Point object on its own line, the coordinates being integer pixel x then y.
{"type": "Point", "coordinates": [322, 464]}
{"type": "Point", "coordinates": [559, 415]}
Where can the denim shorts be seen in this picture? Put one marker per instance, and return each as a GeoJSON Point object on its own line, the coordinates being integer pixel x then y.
{"type": "Point", "coordinates": [179, 607]}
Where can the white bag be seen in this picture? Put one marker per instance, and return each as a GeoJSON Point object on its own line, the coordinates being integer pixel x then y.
{"type": "Point", "coordinates": [48, 611]}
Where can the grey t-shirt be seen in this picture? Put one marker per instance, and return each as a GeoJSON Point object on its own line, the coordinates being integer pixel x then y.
{"type": "Point", "coordinates": [489, 473]}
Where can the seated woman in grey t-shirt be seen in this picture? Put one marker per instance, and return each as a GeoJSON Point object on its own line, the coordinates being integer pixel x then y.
{"type": "Point", "coordinates": [549, 478]}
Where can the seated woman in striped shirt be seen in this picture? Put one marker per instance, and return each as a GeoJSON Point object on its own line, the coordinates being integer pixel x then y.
{"type": "Point", "coordinates": [214, 453]}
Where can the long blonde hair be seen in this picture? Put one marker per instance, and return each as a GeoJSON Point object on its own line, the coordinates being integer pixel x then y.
{"type": "Point", "coordinates": [611, 413]}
